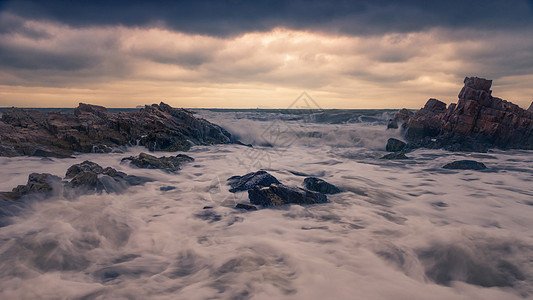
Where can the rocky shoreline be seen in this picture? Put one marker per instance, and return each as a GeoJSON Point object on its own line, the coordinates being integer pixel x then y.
{"type": "Point", "coordinates": [476, 123]}
{"type": "Point", "coordinates": [92, 128]}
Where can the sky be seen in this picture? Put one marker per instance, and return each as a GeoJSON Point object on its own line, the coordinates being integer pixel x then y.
{"type": "Point", "coordinates": [261, 54]}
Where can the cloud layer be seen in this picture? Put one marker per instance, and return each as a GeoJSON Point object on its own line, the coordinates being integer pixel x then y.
{"type": "Point", "coordinates": [228, 54]}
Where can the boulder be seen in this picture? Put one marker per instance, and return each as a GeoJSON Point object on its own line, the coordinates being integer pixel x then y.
{"type": "Point", "coordinates": [321, 186]}
{"type": "Point", "coordinates": [395, 155]}
{"type": "Point", "coordinates": [92, 128]}
{"type": "Point", "coordinates": [395, 145]}
{"type": "Point", "coordinates": [38, 183]}
{"type": "Point", "coordinates": [250, 180]}
{"type": "Point", "coordinates": [465, 165]}
{"type": "Point", "coordinates": [167, 163]}
{"type": "Point", "coordinates": [279, 194]}
{"type": "Point", "coordinates": [477, 122]}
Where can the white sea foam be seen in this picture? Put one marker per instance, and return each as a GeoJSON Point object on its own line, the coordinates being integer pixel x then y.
{"type": "Point", "coordinates": [402, 230]}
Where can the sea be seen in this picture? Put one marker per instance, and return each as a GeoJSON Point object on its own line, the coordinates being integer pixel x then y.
{"type": "Point", "coordinates": [402, 229]}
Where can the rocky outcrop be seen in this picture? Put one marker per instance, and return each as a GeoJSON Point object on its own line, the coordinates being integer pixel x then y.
{"type": "Point", "coordinates": [250, 180]}
{"type": "Point", "coordinates": [167, 163]}
{"type": "Point", "coordinates": [394, 145]}
{"type": "Point", "coordinates": [477, 122]}
{"type": "Point", "coordinates": [465, 165]}
{"type": "Point", "coordinates": [279, 194]}
{"type": "Point", "coordinates": [321, 186]}
{"type": "Point", "coordinates": [86, 177]}
{"type": "Point", "coordinates": [93, 128]}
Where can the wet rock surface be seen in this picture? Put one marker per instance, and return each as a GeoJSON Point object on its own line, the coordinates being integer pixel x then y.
{"type": "Point", "coordinates": [477, 122]}
{"type": "Point", "coordinates": [92, 128]}
{"type": "Point", "coordinates": [251, 180]}
{"type": "Point", "coordinates": [279, 194]}
{"type": "Point", "coordinates": [395, 145]}
{"type": "Point", "coordinates": [465, 165]}
{"type": "Point", "coordinates": [320, 185]}
{"type": "Point", "coordinates": [167, 163]}
{"type": "Point", "coordinates": [395, 155]}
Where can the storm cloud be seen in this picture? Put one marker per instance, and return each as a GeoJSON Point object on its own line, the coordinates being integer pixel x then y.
{"type": "Point", "coordinates": [352, 54]}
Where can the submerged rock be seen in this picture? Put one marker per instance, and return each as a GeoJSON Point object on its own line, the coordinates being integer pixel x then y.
{"type": "Point", "coordinates": [93, 128]}
{"type": "Point", "coordinates": [167, 163]}
{"type": "Point", "coordinates": [395, 155]}
{"type": "Point", "coordinates": [395, 145]}
{"type": "Point", "coordinates": [245, 206]}
{"type": "Point", "coordinates": [279, 194]}
{"type": "Point", "coordinates": [477, 122]}
{"type": "Point", "coordinates": [321, 186]}
{"type": "Point", "coordinates": [251, 180]}
{"type": "Point", "coordinates": [465, 165]}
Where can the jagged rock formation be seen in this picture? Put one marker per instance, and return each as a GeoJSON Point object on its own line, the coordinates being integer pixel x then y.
{"type": "Point", "coordinates": [93, 128]}
{"type": "Point", "coordinates": [250, 180]}
{"type": "Point", "coordinates": [477, 122]}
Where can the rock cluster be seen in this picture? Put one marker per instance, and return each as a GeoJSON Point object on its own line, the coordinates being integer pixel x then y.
{"type": "Point", "coordinates": [93, 128]}
{"type": "Point", "coordinates": [167, 163]}
{"type": "Point", "coordinates": [477, 122]}
{"type": "Point", "coordinates": [265, 190]}
{"type": "Point", "coordinates": [86, 177]}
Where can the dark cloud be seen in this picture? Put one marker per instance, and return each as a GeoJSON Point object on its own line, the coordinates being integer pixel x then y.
{"type": "Point", "coordinates": [233, 17]}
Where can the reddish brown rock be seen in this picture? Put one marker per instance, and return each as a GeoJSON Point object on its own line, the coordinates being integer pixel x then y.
{"type": "Point", "coordinates": [93, 128]}
{"type": "Point", "coordinates": [477, 122]}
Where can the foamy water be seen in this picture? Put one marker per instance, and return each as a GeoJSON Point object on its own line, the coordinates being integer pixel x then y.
{"type": "Point", "coordinates": [402, 230]}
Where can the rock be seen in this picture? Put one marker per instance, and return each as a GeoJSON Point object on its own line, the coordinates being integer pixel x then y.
{"type": "Point", "coordinates": [400, 118]}
{"type": "Point", "coordinates": [245, 206]}
{"type": "Point", "coordinates": [93, 128]}
{"type": "Point", "coordinates": [250, 180]}
{"type": "Point", "coordinates": [395, 145]}
{"type": "Point", "coordinates": [38, 183]}
{"type": "Point", "coordinates": [465, 165]}
{"type": "Point", "coordinates": [91, 177]}
{"type": "Point", "coordinates": [395, 155]}
{"type": "Point", "coordinates": [477, 122]}
{"type": "Point", "coordinates": [321, 186]}
{"type": "Point", "coordinates": [167, 188]}
{"type": "Point", "coordinates": [279, 194]}
{"type": "Point", "coordinates": [167, 163]}
{"type": "Point", "coordinates": [530, 109]}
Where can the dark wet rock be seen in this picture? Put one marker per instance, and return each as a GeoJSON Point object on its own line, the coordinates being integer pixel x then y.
{"type": "Point", "coordinates": [207, 207]}
{"type": "Point", "coordinates": [440, 204]}
{"type": "Point", "coordinates": [400, 118]}
{"type": "Point", "coordinates": [167, 163]}
{"type": "Point", "coordinates": [395, 155]}
{"type": "Point", "coordinates": [250, 180]}
{"type": "Point", "coordinates": [395, 145]}
{"type": "Point", "coordinates": [38, 183]}
{"type": "Point", "coordinates": [167, 188]}
{"type": "Point", "coordinates": [245, 206]}
{"type": "Point", "coordinates": [321, 186]}
{"type": "Point", "coordinates": [477, 122]}
{"type": "Point", "coordinates": [279, 194]}
{"type": "Point", "coordinates": [84, 166]}
{"type": "Point", "coordinates": [93, 128]}
{"type": "Point", "coordinates": [465, 165]}
{"type": "Point", "coordinates": [530, 109]}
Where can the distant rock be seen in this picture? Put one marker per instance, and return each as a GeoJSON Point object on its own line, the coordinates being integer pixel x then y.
{"type": "Point", "coordinates": [250, 180]}
{"type": "Point", "coordinates": [395, 145]}
{"type": "Point", "coordinates": [530, 109]}
{"type": "Point", "coordinates": [245, 206]}
{"type": "Point", "coordinates": [465, 165]}
{"type": "Point", "coordinates": [321, 186]}
{"type": "Point", "coordinates": [279, 194]}
{"type": "Point", "coordinates": [400, 118]}
{"type": "Point", "coordinates": [395, 155]}
{"type": "Point", "coordinates": [93, 128]}
{"type": "Point", "coordinates": [167, 163]}
{"type": "Point", "coordinates": [477, 122]}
